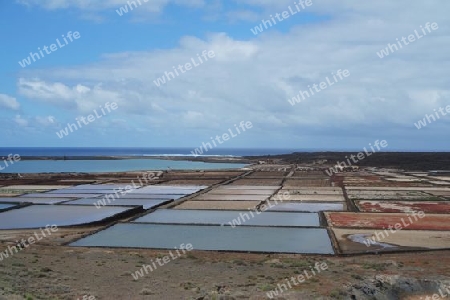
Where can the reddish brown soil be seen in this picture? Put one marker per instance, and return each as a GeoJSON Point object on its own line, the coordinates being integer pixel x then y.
{"type": "Point", "coordinates": [386, 206]}
{"type": "Point", "coordinates": [381, 220]}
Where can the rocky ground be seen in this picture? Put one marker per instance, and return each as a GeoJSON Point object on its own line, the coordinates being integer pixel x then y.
{"type": "Point", "coordinates": [48, 270]}
{"type": "Point", "coordinates": [410, 161]}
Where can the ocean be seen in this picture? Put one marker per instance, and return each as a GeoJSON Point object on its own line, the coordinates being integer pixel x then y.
{"type": "Point", "coordinates": [74, 151]}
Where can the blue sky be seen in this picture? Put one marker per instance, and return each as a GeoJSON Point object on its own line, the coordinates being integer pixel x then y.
{"type": "Point", "coordinates": [250, 78]}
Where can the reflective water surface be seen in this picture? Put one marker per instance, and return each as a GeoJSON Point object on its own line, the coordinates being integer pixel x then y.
{"type": "Point", "coordinates": [225, 238]}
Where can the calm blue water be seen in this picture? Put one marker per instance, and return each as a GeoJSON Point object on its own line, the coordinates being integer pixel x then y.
{"type": "Point", "coordinates": [5, 206]}
{"type": "Point", "coordinates": [96, 166]}
{"type": "Point", "coordinates": [92, 166]}
{"type": "Point", "coordinates": [136, 151]}
{"type": "Point", "coordinates": [224, 238]}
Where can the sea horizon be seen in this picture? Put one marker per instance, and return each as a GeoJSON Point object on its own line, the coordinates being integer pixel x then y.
{"type": "Point", "coordinates": [166, 151]}
{"type": "Point", "coordinates": [139, 151]}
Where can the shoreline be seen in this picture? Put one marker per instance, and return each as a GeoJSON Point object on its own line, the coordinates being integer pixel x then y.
{"type": "Point", "coordinates": [401, 160]}
{"type": "Point", "coordinates": [217, 159]}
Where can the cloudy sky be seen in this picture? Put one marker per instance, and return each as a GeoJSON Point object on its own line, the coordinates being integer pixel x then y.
{"type": "Point", "coordinates": [118, 58]}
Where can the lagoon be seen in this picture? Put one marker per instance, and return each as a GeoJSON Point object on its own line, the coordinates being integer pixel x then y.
{"type": "Point", "coordinates": [119, 165]}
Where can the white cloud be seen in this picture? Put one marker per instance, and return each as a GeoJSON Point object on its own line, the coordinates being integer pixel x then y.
{"type": "Point", "coordinates": [9, 102]}
{"type": "Point", "coordinates": [21, 121]}
{"type": "Point", "coordinates": [46, 121]}
{"type": "Point", "coordinates": [242, 15]}
{"type": "Point", "coordinates": [153, 6]}
{"type": "Point", "coordinates": [83, 98]}
{"type": "Point", "coordinates": [252, 79]}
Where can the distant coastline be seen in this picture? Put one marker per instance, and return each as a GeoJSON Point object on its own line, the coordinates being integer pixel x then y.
{"type": "Point", "coordinates": [216, 159]}
{"type": "Point", "coordinates": [402, 160]}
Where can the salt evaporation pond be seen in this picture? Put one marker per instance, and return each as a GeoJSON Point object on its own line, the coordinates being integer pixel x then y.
{"type": "Point", "coordinates": [146, 204]}
{"type": "Point", "coordinates": [214, 217]}
{"type": "Point", "coordinates": [49, 195]}
{"type": "Point", "coordinates": [38, 200]}
{"type": "Point", "coordinates": [214, 238]}
{"type": "Point", "coordinates": [308, 207]}
{"type": "Point", "coordinates": [36, 216]}
{"type": "Point", "coordinates": [6, 206]}
{"type": "Point", "coordinates": [137, 197]}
